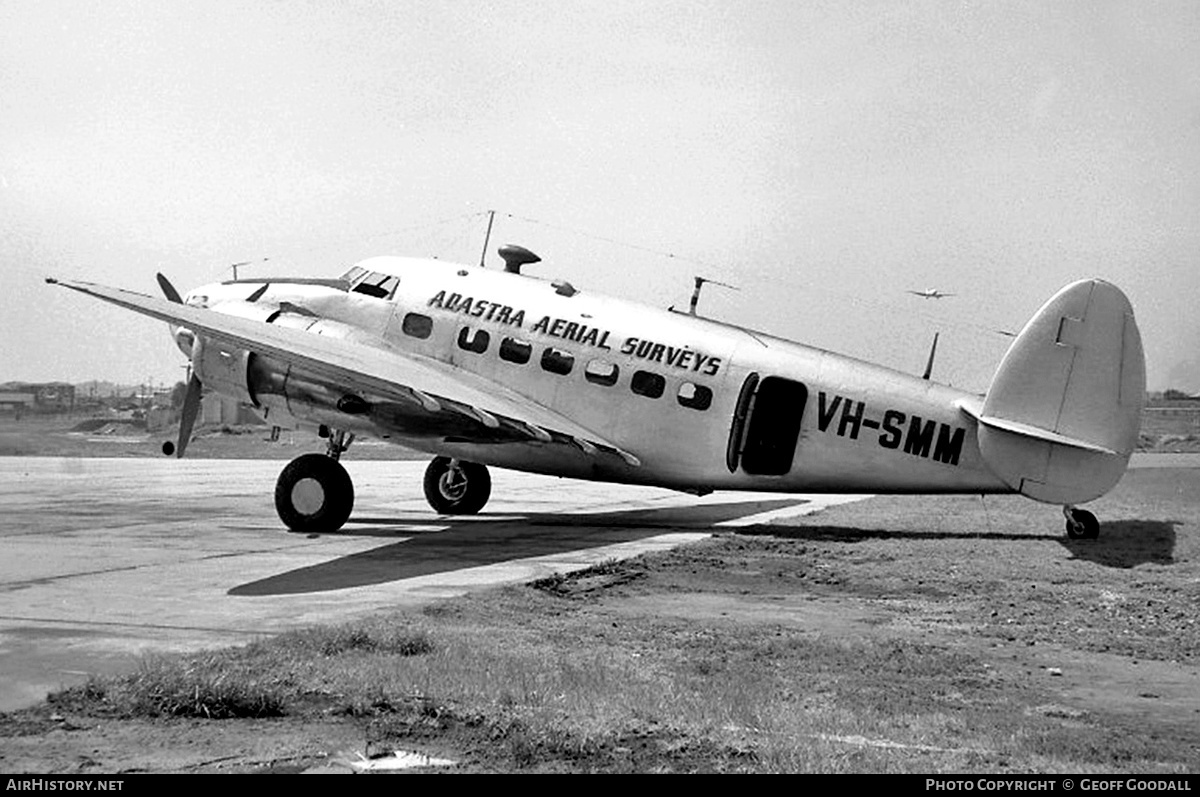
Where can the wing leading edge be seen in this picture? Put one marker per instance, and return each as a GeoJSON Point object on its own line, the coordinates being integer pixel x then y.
{"type": "Point", "coordinates": [381, 370]}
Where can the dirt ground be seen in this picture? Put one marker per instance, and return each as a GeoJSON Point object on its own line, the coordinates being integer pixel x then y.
{"type": "Point", "coordinates": [1091, 646]}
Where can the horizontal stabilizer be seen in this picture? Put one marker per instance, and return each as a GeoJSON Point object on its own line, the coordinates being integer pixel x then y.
{"type": "Point", "coordinates": [1031, 431]}
{"type": "Point", "coordinates": [1063, 412]}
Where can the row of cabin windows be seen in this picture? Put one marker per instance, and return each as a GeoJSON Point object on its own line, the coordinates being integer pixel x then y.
{"type": "Point", "coordinates": [558, 361]}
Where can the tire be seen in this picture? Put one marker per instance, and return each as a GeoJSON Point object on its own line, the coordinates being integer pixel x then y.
{"type": "Point", "coordinates": [1083, 525]}
{"type": "Point", "coordinates": [1091, 526]}
{"type": "Point", "coordinates": [314, 494]}
{"type": "Point", "coordinates": [457, 490]}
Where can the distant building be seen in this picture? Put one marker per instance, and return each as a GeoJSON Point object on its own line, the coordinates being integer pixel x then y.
{"type": "Point", "coordinates": [12, 401]}
{"type": "Point", "coordinates": [55, 396]}
{"type": "Point", "coordinates": [39, 397]}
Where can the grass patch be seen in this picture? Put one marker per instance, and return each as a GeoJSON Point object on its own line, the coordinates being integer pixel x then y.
{"type": "Point", "coordinates": [269, 678]}
{"type": "Point", "coordinates": [168, 687]}
{"type": "Point", "coordinates": [609, 573]}
{"type": "Point", "coordinates": [372, 637]}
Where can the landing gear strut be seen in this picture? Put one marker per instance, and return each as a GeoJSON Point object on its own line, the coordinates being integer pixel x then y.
{"type": "Point", "coordinates": [314, 494]}
{"type": "Point", "coordinates": [454, 487]}
{"type": "Point", "coordinates": [1081, 524]}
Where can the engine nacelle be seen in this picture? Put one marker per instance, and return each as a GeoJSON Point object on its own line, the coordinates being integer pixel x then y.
{"type": "Point", "coordinates": [237, 372]}
{"type": "Point", "coordinates": [282, 394]}
{"type": "Point", "coordinates": [223, 368]}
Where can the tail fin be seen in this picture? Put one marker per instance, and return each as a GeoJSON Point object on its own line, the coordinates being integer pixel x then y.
{"type": "Point", "coordinates": [1064, 409]}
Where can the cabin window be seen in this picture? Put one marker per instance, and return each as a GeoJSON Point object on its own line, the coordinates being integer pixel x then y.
{"type": "Point", "coordinates": [557, 361]}
{"type": "Point", "coordinates": [477, 344]}
{"type": "Point", "coordinates": [647, 384]}
{"type": "Point", "coordinates": [515, 351]}
{"type": "Point", "coordinates": [602, 372]}
{"type": "Point", "coordinates": [381, 286]}
{"type": "Point", "coordinates": [693, 396]}
{"type": "Point", "coordinates": [417, 325]}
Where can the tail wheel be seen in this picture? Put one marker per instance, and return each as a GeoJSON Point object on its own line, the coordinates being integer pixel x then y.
{"type": "Point", "coordinates": [314, 494]}
{"type": "Point", "coordinates": [1082, 525]}
{"type": "Point", "coordinates": [454, 487]}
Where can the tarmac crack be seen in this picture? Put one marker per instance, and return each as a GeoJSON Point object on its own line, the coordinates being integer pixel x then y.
{"type": "Point", "coordinates": [118, 624]}
{"type": "Point", "coordinates": [15, 586]}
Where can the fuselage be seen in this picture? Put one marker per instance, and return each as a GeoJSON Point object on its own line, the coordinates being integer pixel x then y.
{"type": "Point", "coordinates": [703, 405]}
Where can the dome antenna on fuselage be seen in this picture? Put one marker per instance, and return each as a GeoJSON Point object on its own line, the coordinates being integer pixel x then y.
{"type": "Point", "coordinates": [516, 256]}
{"type": "Point", "coordinates": [513, 256]}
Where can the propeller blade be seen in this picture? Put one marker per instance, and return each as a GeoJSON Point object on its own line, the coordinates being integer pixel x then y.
{"type": "Point", "coordinates": [187, 419]}
{"type": "Point", "coordinates": [168, 289]}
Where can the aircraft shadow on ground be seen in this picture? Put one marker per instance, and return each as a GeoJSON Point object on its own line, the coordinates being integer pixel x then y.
{"type": "Point", "coordinates": [451, 544]}
{"type": "Point", "coordinates": [1128, 543]}
{"type": "Point", "coordinates": [1122, 543]}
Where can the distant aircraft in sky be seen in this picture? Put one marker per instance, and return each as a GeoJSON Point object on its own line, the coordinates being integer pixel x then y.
{"type": "Point", "coordinates": [483, 367]}
{"type": "Point", "coordinates": [932, 293]}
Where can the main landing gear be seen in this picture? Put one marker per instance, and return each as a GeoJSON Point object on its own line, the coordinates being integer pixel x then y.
{"type": "Point", "coordinates": [454, 487]}
{"type": "Point", "coordinates": [1081, 524]}
{"type": "Point", "coordinates": [314, 494]}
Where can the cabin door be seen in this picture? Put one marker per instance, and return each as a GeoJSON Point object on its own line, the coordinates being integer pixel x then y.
{"type": "Point", "coordinates": [766, 426]}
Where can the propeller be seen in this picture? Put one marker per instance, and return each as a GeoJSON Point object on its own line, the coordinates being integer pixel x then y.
{"type": "Point", "coordinates": [191, 399]}
{"type": "Point", "coordinates": [168, 289]}
{"type": "Point", "coordinates": [187, 419]}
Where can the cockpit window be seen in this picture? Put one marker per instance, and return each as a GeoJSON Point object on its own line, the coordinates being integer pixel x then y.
{"type": "Point", "coordinates": [381, 286]}
{"type": "Point", "coordinates": [353, 274]}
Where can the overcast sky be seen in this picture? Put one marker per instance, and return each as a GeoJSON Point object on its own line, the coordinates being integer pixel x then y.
{"type": "Point", "coordinates": [824, 157]}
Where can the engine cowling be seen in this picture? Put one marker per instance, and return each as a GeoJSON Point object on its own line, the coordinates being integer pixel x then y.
{"type": "Point", "coordinates": [223, 369]}
{"type": "Point", "coordinates": [237, 372]}
{"type": "Point", "coordinates": [281, 393]}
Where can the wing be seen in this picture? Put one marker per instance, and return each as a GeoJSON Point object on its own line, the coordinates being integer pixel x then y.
{"type": "Point", "coordinates": [384, 371]}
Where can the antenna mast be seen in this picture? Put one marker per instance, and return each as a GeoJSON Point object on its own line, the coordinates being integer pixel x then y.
{"type": "Point", "coordinates": [932, 352]}
{"type": "Point", "coordinates": [235, 266]}
{"type": "Point", "coordinates": [487, 236]}
{"type": "Point", "coordinates": [696, 291]}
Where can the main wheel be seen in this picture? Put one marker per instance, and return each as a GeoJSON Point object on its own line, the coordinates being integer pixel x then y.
{"type": "Point", "coordinates": [314, 494]}
{"type": "Point", "coordinates": [454, 487]}
{"type": "Point", "coordinates": [1082, 525]}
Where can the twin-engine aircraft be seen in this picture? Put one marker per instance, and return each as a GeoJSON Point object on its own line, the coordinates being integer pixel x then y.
{"type": "Point", "coordinates": [483, 368]}
{"type": "Point", "coordinates": [932, 293]}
